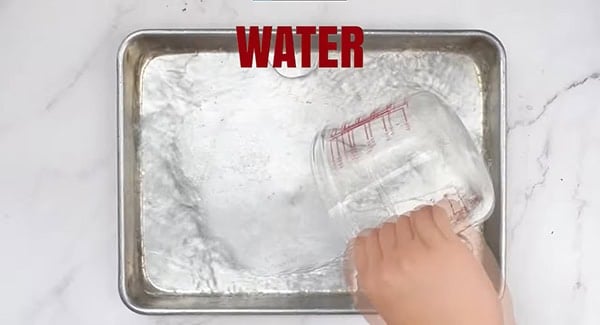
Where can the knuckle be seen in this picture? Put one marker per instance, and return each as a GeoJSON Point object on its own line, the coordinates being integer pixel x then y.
{"type": "Point", "coordinates": [389, 275]}
{"type": "Point", "coordinates": [388, 227]}
{"type": "Point", "coordinates": [406, 263]}
{"type": "Point", "coordinates": [367, 284]}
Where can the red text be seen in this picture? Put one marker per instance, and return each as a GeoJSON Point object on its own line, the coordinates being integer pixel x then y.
{"type": "Point", "coordinates": [254, 46]}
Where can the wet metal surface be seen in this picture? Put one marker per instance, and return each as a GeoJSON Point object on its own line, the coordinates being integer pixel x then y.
{"type": "Point", "coordinates": [218, 210]}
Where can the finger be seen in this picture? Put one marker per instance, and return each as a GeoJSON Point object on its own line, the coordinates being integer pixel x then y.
{"type": "Point", "coordinates": [387, 237]}
{"type": "Point", "coordinates": [457, 213]}
{"type": "Point", "coordinates": [448, 206]}
{"type": "Point", "coordinates": [424, 226]}
{"type": "Point", "coordinates": [359, 254]}
{"type": "Point", "coordinates": [455, 208]}
{"type": "Point", "coordinates": [372, 248]}
{"type": "Point", "coordinates": [404, 231]}
{"type": "Point", "coordinates": [442, 221]}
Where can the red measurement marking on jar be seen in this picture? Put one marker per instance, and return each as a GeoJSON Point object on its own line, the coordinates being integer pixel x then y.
{"type": "Point", "coordinates": [460, 206]}
{"type": "Point", "coordinates": [342, 141]}
{"type": "Point", "coordinates": [380, 114]}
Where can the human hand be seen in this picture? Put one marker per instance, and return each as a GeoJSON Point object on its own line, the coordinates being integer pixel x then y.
{"type": "Point", "coordinates": [417, 271]}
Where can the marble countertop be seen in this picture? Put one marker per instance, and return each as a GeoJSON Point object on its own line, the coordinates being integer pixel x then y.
{"type": "Point", "coordinates": [58, 146]}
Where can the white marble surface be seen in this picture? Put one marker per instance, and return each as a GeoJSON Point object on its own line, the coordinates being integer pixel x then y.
{"type": "Point", "coordinates": [58, 146]}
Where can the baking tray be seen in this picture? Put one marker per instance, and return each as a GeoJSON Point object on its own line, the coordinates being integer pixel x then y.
{"type": "Point", "coordinates": [205, 224]}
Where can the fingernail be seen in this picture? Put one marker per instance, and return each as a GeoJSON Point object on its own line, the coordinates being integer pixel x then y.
{"type": "Point", "coordinates": [365, 232]}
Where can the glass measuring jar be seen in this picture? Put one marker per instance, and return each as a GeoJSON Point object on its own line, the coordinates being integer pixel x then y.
{"type": "Point", "coordinates": [412, 152]}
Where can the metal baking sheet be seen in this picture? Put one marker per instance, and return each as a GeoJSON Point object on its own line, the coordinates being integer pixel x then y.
{"type": "Point", "coordinates": [217, 209]}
